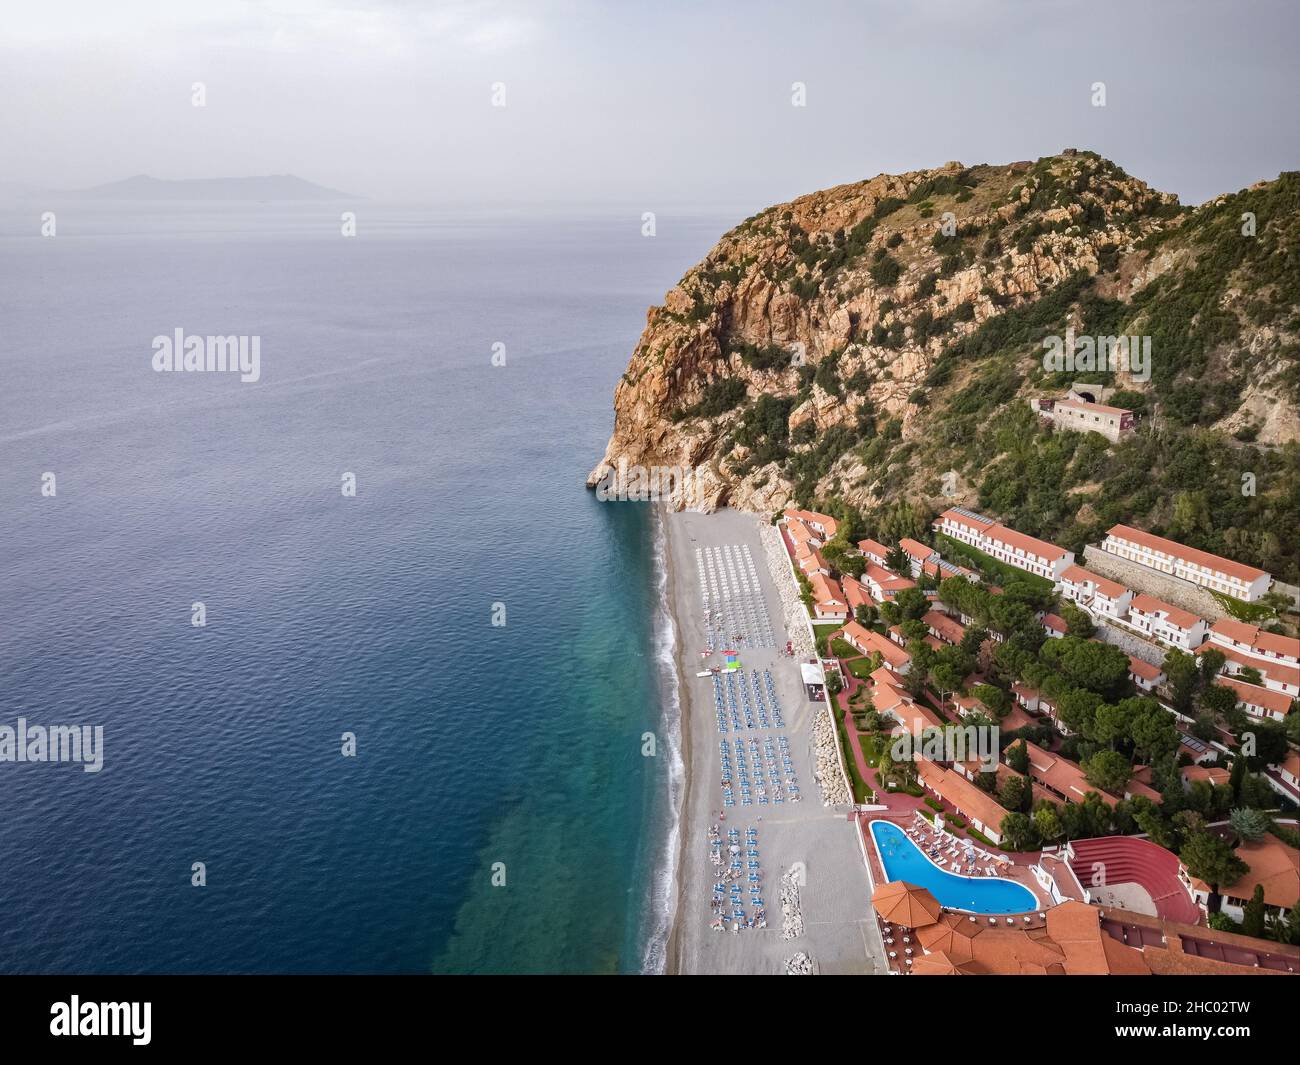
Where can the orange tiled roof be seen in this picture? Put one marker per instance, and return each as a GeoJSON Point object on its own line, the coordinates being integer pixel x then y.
{"type": "Point", "coordinates": [826, 591]}
{"type": "Point", "coordinates": [1256, 638]}
{"type": "Point", "coordinates": [1029, 544]}
{"type": "Point", "coordinates": [873, 547]}
{"type": "Point", "coordinates": [1278, 672]}
{"type": "Point", "coordinates": [948, 628]}
{"type": "Point", "coordinates": [1149, 604]}
{"type": "Point", "coordinates": [825, 520]}
{"type": "Point", "coordinates": [1142, 669]}
{"type": "Point", "coordinates": [1062, 775]}
{"type": "Point", "coordinates": [1274, 702]}
{"type": "Point", "coordinates": [1272, 864]}
{"type": "Point", "coordinates": [1188, 554]}
{"type": "Point", "coordinates": [1078, 575]}
{"type": "Point", "coordinates": [915, 549]}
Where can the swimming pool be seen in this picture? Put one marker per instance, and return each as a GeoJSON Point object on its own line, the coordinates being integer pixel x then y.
{"type": "Point", "coordinates": [904, 860]}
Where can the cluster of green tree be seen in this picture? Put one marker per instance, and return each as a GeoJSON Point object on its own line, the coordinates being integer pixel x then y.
{"type": "Point", "coordinates": [1189, 311]}
{"type": "Point", "coordinates": [885, 269]}
{"type": "Point", "coordinates": [1185, 485]}
{"type": "Point", "coordinates": [1193, 692]}
{"type": "Point", "coordinates": [944, 185]}
{"type": "Point", "coordinates": [718, 397]}
{"type": "Point", "coordinates": [759, 356]}
{"type": "Point", "coordinates": [764, 429]}
{"type": "Point", "coordinates": [807, 468]}
{"type": "Point", "coordinates": [1011, 614]}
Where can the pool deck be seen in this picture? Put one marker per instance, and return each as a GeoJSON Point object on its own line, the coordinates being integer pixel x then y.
{"type": "Point", "coordinates": [1009, 870]}
{"type": "Point", "coordinates": [903, 819]}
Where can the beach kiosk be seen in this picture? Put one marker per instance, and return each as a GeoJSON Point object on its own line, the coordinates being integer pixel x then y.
{"type": "Point", "coordinates": [814, 681]}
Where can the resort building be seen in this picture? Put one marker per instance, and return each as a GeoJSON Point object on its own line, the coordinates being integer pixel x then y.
{"type": "Point", "coordinates": [941, 571]}
{"type": "Point", "coordinates": [1198, 751]}
{"type": "Point", "coordinates": [918, 554]}
{"type": "Point", "coordinates": [1251, 642]}
{"type": "Point", "coordinates": [1137, 786]}
{"type": "Point", "coordinates": [977, 806]}
{"type": "Point", "coordinates": [1078, 415]}
{"type": "Point", "coordinates": [828, 598]}
{"type": "Point", "coordinates": [823, 525]}
{"type": "Point", "coordinates": [1285, 778]}
{"type": "Point", "coordinates": [888, 695]}
{"type": "Point", "coordinates": [1005, 545]}
{"type": "Point", "coordinates": [1025, 696]}
{"type": "Point", "coordinates": [1272, 865]}
{"type": "Point", "coordinates": [1146, 676]}
{"type": "Point", "coordinates": [855, 593]}
{"type": "Point", "coordinates": [884, 584]}
{"type": "Point", "coordinates": [1259, 702]}
{"type": "Point", "coordinates": [874, 551]}
{"type": "Point", "coordinates": [1213, 775]}
{"type": "Point", "coordinates": [1076, 939]}
{"type": "Point", "coordinates": [916, 718]}
{"type": "Point", "coordinates": [1055, 627]}
{"type": "Point", "coordinates": [1168, 624]}
{"type": "Point", "coordinates": [870, 642]}
{"type": "Point", "coordinates": [1097, 595]}
{"type": "Point", "coordinates": [1289, 771]}
{"type": "Point", "coordinates": [942, 627]}
{"type": "Point", "coordinates": [1187, 563]}
{"type": "Point", "coordinates": [965, 705]}
{"type": "Point", "coordinates": [810, 560]}
{"type": "Point", "coordinates": [1047, 707]}
{"type": "Point", "coordinates": [1060, 776]}
{"type": "Point", "coordinates": [1277, 676]}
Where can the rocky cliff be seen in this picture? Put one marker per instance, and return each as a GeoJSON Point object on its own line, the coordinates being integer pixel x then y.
{"type": "Point", "coordinates": [877, 342]}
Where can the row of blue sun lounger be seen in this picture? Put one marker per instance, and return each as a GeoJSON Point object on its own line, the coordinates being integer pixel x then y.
{"type": "Point", "coordinates": [732, 698]}
{"type": "Point", "coordinates": [781, 783]}
{"type": "Point", "coordinates": [741, 863]}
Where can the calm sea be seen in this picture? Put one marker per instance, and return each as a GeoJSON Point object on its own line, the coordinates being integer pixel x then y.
{"type": "Point", "coordinates": [482, 752]}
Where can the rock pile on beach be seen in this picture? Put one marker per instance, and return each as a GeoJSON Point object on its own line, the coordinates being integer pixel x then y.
{"type": "Point", "coordinates": [791, 915]}
{"type": "Point", "coordinates": [827, 771]}
{"type": "Point", "coordinates": [792, 609]}
{"type": "Point", "coordinates": [799, 965]}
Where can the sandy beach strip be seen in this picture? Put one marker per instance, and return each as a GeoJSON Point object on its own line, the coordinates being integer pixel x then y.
{"type": "Point", "coordinates": [820, 843]}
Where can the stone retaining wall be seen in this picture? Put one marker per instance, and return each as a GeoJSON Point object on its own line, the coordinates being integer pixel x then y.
{"type": "Point", "coordinates": [1131, 643]}
{"type": "Point", "coordinates": [1141, 579]}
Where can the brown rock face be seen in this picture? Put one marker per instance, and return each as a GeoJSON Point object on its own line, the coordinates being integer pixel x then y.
{"type": "Point", "coordinates": [828, 314]}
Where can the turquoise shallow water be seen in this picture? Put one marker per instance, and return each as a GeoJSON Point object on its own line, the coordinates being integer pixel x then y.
{"type": "Point", "coordinates": [514, 749]}
{"type": "Point", "coordinates": [903, 860]}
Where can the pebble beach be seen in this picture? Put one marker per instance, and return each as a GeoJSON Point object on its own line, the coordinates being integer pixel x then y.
{"type": "Point", "coordinates": [799, 856]}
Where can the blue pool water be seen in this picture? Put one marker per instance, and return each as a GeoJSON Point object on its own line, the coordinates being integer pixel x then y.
{"type": "Point", "coordinates": [903, 860]}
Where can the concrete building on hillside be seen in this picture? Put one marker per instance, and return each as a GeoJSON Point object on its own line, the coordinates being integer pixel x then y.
{"type": "Point", "coordinates": [1201, 568]}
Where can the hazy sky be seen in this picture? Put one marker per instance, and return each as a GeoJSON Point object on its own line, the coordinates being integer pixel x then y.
{"type": "Point", "coordinates": [642, 102]}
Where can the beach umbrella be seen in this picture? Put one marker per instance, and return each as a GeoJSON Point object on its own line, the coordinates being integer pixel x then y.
{"type": "Point", "coordinates": [942, 964]}
{"type": "Point", "coordinates": [905, 904]}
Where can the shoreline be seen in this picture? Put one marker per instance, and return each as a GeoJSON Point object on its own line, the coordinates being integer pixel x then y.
{"type": "Point", "coordinates": [685, 712]}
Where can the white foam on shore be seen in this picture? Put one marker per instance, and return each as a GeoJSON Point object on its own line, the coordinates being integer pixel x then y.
{"type": "Point", "coordinates": [663, 888]}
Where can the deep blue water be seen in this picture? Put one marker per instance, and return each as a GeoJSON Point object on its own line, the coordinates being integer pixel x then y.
{"type": "Point", "coordinates": [476, 744]}
{"type": "Point", "coordinates": [903, 860]}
